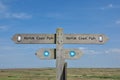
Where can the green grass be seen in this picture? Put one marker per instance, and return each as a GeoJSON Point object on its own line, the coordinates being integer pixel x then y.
{"type": "Point", "coordinates": [50, 74]}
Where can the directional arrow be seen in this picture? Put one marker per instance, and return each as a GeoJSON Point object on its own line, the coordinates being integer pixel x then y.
{"type": "Point", "coordinates": [51, 53]}
{"type": "Point", "coordinates": [34, 38]}
{"type": "Point", "coordinates": [85, 38]}
{"type": "Point", "coordinates": [67, 38]}
{"type": "Point", "coordinates": [46, 53]}
{"type": "Point", "coordinates": [72, 53]}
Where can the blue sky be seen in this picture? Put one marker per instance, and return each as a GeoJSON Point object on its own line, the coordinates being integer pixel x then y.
{"type": "Point", "coordinates": [45, 16]}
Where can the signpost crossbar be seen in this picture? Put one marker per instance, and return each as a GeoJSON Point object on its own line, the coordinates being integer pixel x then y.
{"type": "Point", "coordinates": [60, 54]}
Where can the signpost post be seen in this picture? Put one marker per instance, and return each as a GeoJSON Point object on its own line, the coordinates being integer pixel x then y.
{"type": "Point", "coordinates": [60, 54]}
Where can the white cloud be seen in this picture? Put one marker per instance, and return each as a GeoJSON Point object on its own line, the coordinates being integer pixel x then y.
{"type": "Point", "coordinates": [110, 6]}
{"type": "Point", "coordinates": [82, 48]}
{"type": "Point", "coordinates": [108, 51]}
{"type": "Point", "coordinates": [104, 7]}
{"type": "Point", "coordinates": [10, 48]}
{"type": "Point", "coordinates": [3, 28]}
{"type": "Point", "coordinates": [18, 15]}
{"type": "Point", "coordinates": [21, 15]}
{"type": "Point", "coordinates": [55, 15]}
{"type": "Point", "coordinates": [2, 7]}
{"type": "Point", "coordinates": [5, 12]}
{"type": "Point", "coordinates": [7, 48]}
{"type": "Point", "coordinates": [117, 22]}
{"type": "Point", "coordinates": [114, 50]}
{"type": "Point", "coordinates": [89, 51]}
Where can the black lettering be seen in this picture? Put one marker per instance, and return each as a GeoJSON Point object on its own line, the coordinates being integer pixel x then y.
{"type": "Point", "coordinates": [28, 38]}
{"type": "Point", "coordinates": [82, 38]}
{"type": "Point", "coordinates": [49, 37]}
{"type": "Point", "coordinates": [71, 38]}
{"type": "Point", "coordinates": [40, 38]}
{"type": "Point", "coordinates": [92, 38]}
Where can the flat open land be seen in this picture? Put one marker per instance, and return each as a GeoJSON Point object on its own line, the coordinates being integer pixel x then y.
{"type": "Point", "coordinates": [50, 74]}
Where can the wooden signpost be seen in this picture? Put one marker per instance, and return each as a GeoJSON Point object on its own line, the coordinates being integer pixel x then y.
{"type": "Point", "coordinates": [60, 54]}
{"type": "Point", "coordinates": [47, 53]}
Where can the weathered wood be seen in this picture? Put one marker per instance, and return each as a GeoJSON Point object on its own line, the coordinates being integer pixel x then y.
{"type": "Point", "coordinates": [65, 71]}
{"type": "Point", "coordinates": [34, 38]}
{"type": "Point", "coordinates": [65, 53]}
{"type": "Point", "coordinates": [67, 38]}
{"type": "Point", "coordinates": [41, 53]}
{"type": "Point", "coordinates": [59, 54]}
{"type": "Point", "coordinates": [77, 53]}
{"type": "Point", "coordinates": [84, 38]}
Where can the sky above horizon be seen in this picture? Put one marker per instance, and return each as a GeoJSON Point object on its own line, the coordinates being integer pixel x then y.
{"type": "Point", "coordinates": [74, 16]}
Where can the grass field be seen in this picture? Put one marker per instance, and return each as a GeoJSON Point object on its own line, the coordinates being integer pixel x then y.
{"type": "Point", "coordinates": [50, 74]}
